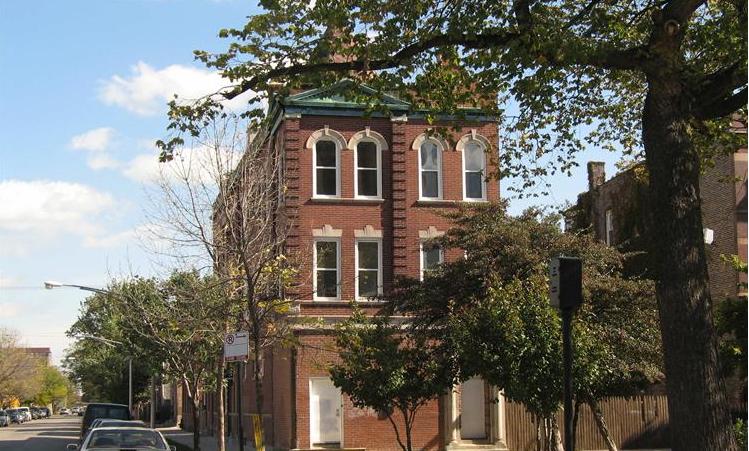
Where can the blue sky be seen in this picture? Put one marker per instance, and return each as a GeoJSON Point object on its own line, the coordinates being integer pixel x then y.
{"type": "Point", "coordinates": [83, 87]}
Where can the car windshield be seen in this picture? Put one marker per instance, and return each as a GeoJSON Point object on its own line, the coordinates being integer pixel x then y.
{"type": "Point", "coordinates": [119, 423]}
{"type": "Point", "coordinates": [125, 438]}
{"type": "Point", "coordinates": [115, 412]}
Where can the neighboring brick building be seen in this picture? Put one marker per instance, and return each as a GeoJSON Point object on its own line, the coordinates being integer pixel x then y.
{"type": "Point", "coordinates": [613, 211]}
{"type": "Point", "coordinates": [363, 194]}
{"type": "Point", "coordinates": [44, 355]}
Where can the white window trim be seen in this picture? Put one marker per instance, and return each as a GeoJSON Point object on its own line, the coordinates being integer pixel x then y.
{"type": "Point", "coordinates": [315, 297]}
{"type": "Point", "coordinates": [609, 219]}
{"type": "Point", "coordinates": [378, 147]}
{"type": "Point", "coordinates": [337, 170]}
{"type": "Point", "coordinates": [440, 149]}
{"type": "Point", "coordinates": [483, 174]}
{"type": "Point", "coordinates": [421, 258]}
{"type": "Point", "coordinates": [379, 266]}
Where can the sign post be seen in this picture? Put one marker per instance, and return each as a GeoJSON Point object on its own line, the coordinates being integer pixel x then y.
{"type": "Point", "coordinates": [237, 349]}
{"type": "Point", "coordinates": [566, 293]}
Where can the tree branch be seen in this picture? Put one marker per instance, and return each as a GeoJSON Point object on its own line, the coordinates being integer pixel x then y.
{"type": "Point", "coordinates": [721, 83]}
{"type": "Point", "coordinates": [681, 10]}
{"type": "Point", "coordinates": [471, 41]}
{"type": "Point", "coordinates": [723, 106]}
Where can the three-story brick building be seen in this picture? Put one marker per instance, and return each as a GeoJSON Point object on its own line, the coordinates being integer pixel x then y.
{"type": "Point", "coordinates": [362, 194]}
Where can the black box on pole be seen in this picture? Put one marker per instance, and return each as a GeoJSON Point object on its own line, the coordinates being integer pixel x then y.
{"type": "Point", "coordinates": [566, 282]}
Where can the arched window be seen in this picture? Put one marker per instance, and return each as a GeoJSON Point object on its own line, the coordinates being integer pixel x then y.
{"type": "Point", "coordinates": [474, 171]}
{"type": "Point", "coordinates": [326, 146]}
{"type": "Point", "coordinates": [430, 169]}
{"type": "Point", "coordinates": [474, 148]}
{"type": "Point", "coordinates": [326, 163]}
{"type": "Point", "coordinates": [368, 146]}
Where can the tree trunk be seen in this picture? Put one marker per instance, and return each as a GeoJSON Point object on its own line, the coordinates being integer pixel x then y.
{"type": "Point", "coordinates": [538, 433]}
{"type": "Point", "coordinates": [221, 426]}
{"type": "Point", "coordinates": [575, 418]}
{"type": "Point", "coordinates": [195, 425]}
{"type": "Point", "coordinates": [699, 417]}
{"type": "Point", "coordinates": [258, 391]}
{"type": "Point", "coordinates": [601, 423]}
{"type": "Point", "coordinates": [556, 435]}
{"type": "Point", "coordinates": [409, 425]}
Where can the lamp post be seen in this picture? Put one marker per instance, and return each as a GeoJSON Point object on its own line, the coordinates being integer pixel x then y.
{"type": "Point", "coordinates": [113, 343]}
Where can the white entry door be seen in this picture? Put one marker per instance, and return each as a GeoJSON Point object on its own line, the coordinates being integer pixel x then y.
{"type": "Point", "coordinates": [324, 411]}
{"type": "Point", "coordinates": [473, 409]}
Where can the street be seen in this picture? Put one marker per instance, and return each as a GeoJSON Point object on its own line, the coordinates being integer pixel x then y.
{"type": "Point", "coordinates": [50, 434]}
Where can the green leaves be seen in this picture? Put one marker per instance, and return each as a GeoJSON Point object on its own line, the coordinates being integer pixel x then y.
{"type": "Point", "coordinates": [491, 312]}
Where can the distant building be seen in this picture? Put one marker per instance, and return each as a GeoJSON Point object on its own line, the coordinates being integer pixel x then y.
{"type": "Point", "coordinates": [43, 354]}
{"type": "Point", "coordinates": [613, 210]}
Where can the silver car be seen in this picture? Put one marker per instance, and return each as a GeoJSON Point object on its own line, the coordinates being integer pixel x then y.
{"type": "Point", "coordinates": [117, 438]}
{"type": "Point", "coordinates": [4, 419]}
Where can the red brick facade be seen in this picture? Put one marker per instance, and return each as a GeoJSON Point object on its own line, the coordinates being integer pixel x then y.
{"type": "Point", "coordinates": [400, 221]}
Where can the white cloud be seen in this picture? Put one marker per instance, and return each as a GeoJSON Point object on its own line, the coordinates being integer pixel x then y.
{"type": "Point", "coordinates": [103, 161]}
{"type": "Point", "coordinates": [95, 140]}
{"type": "Point", "coordinates": [96, 143]}
{"type": "Point", "coordinates": [118, 239]}
{"type": "Point", "coordinates": [196, 164]}
{"type": "Point", "coordinates": [8, 310]}
{"type": "Point", "coordinates": [147, 90]}
{"type": "Point", "coordinates": [35, 212]}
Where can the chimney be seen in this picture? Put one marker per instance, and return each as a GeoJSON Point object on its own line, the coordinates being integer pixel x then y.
{"type": "Point", "coordinates": [596, 174]}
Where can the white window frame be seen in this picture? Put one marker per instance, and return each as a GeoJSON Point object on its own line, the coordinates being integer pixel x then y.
{"type": "Point", "coordinates": [315, 297]}
{"type": "Point", "coordinates": [483, 173]}
{"type": "Point", "coordinates": [440, 150]}
{"type": "Point", "coordinates": [337, 170]}
{"type": "Point", "coordinates": [378, 150]}
{"type": "Point", "coordinates": [609, 218]}
{"type": "Point", "coordinates": [421, 258]}
{"type": "Point", "coordinates": [379, 266]}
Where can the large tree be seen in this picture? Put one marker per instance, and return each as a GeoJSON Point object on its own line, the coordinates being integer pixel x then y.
{"type": "Point", "coordinates": [660, 77]}
{"type": "Point", "coordinates": [491, 313]}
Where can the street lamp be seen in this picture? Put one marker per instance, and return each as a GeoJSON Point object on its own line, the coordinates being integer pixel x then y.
{"type": "Point", "coordinates": [113, 343]}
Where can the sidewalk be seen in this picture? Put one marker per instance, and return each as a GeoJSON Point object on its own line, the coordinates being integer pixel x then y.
{"type": "Point", "coordinates": [207, 442]}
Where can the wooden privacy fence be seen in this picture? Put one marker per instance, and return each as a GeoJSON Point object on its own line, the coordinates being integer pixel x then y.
{"type": "Point", "coordinates": [640, 422]}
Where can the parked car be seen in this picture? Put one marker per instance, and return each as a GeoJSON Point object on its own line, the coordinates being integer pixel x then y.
{"type": "Point", "coordinates": [36, 414]}
{"type": "Point", "coordinates": [46, 413]}
{"type": "Point", "coordinates": [109, 423]}
{"type": "Point", "coordinates": [26, 412]}
{"type": "Point", "coordinates": [4, 419]}
{"type": "Point", "coordinates": [16, 416]}
{"type": "Point", "coordinates": [102, 410]}
{"type": "Point", "coordinates": [81, 411]}
{"type": "Point", "coordinates": [64, 411]}
{"type": "Point", "coordinates": [130, 438]}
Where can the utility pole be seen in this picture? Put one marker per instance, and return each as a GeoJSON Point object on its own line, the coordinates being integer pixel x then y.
{"type": "Point", "coordinates": [240, 426]}
{"type": "Point", "coordinates": [566, 293]}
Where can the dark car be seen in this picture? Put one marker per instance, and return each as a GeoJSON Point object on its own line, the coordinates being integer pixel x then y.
{"type": "Point", "coordinates": [16, 416]}
{"type": "Point", "coordinates": [101, 410]}
{"type": "Point", "coordinates": [4, 418]}
{"type": "Point", "coordinates": [46, 413]}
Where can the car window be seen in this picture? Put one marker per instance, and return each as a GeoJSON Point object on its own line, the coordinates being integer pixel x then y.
{"type": "Point", "coordinates": [115, 412]}
{"type": "Point", "coordinates": [117, 439]}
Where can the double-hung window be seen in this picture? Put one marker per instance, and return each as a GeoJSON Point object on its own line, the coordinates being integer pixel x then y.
{"type": "Point", "coordinates": [327, 257]}
{"type": "Point", "coordinates": [368, 184]}
{"type": "Point", "coordinates": [431, 258]}
{"type": "Point", "coordinates": [368, 268]}
{"type": "Point", "coordinates": [474, 168]}
{"type": "Point", "coordinates": [326, 164]}
{"type": "Point", "coordinates": [430, 170]}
